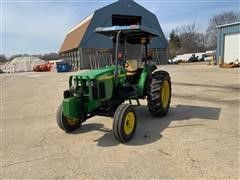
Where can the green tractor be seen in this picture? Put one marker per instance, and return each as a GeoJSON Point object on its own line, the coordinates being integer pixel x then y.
{"type": "Point", "coordinates": [103, 91]}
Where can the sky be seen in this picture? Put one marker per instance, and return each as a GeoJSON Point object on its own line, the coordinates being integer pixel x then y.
{"type": "Point", "coordinates": [40, 26]}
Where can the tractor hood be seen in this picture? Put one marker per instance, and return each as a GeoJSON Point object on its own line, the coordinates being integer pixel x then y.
{"type": "Point", "coordinates": [96, 73]}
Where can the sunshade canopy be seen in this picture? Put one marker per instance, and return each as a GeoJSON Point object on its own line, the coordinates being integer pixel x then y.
{"type": "Point", "coordinates": [133, 33]}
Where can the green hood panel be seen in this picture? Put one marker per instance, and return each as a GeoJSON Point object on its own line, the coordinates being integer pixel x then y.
{"type": "Point", "coordinates": [96, 73]}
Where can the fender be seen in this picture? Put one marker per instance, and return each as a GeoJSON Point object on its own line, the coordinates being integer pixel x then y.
{"type": "Point", "coordinates": [148, 69]}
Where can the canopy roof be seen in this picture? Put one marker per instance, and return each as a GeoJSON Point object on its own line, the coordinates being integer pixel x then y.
{"type": "Point", "coordinates": [137, 30]}
{"type": "Point", "coordinates": [133, 33]}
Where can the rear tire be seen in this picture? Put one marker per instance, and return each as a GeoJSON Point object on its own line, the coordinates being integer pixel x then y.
{"type": "Point", "coordinates": [124, 123]}
{"type": "Point", "coordinates": [159, 95]}
{"type": "Point", "coordinates": [66, 124]}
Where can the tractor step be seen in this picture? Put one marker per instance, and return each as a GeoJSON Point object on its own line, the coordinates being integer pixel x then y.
{"type": "Point", "coordinates": [137, 100]}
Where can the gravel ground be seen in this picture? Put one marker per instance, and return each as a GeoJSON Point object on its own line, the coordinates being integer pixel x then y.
{"type": "Point", "coordinates": [199, 138]}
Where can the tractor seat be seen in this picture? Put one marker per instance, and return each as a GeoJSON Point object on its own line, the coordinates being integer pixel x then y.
{"type": "Point", "coordinates": [131, 67]}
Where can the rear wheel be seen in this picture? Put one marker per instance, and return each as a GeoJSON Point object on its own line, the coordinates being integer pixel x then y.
{"type": "Point", "coordinates": [159, 95]}
{"type": "Point", "coordinates": [124, 123]}
{"type": "Point", "coordinates": [66, 124]}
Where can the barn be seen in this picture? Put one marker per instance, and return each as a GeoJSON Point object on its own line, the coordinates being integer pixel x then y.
{"type": "Point", "coordinates": [228, 43]}
{"type": "Point", "coordinates": [83, 48]}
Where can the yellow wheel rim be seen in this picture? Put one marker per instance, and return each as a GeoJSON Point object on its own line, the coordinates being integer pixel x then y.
{"type": "Point", "coordinates": [165, 94]}
{"type": "Point", "coordinates": [72, 122]}
{"type": "Point", "coordinates": [129, 123]}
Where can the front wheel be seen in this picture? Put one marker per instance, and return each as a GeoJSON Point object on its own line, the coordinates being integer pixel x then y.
{"type": "Point", "coordinates": [65, 123]}
{"type": "Point", "coordinates": [159, 95]}
{"type": "Point", "coordinates": [124, 123]}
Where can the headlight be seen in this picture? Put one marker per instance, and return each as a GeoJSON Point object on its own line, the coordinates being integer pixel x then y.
{"type": "Point", "coordinates": [73, 84]}
{"type": "Point", "coordinates": [76, 83]}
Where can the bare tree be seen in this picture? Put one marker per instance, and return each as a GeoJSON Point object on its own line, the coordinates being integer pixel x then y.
{"type": "Point", "coordinates": [50, 56]}
{"type": "Point", "coordinates": [174, 44]}
{"type": "Point", "coordinates": [217, 20]}
{"type": "Point", "coordinates": [3, 58]}
{"type": "Point", "coordinates": [202, 42]}
{"type": "Point", "coordinates": [47, 57]}
{"type": "Point", "coordinates": [18, 55]}
{"type": "Point", "coordinates": [191, 40]}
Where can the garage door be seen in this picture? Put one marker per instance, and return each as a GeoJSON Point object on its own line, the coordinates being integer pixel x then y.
{"type": "Point", "coordinates": [231, 47]}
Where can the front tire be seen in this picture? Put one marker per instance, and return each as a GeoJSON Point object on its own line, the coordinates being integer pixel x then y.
{"type": "Point", "coordinates": [124, 123]}
{"type": "Point", "coordinates": [66, 124]}
{"type": "Point", "coordinates": [159, 95]}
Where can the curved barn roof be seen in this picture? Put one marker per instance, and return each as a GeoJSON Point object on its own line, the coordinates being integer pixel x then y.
{"type": "Point", "coordinates": [75, 35]}
{"type": "Point", "coordinates": [83, 34]}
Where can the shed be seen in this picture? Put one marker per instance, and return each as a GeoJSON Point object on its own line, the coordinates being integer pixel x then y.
{"type": "Point", "coordinates": [83, 48]}
{"type": "Point", "coordinates": [228, 43]}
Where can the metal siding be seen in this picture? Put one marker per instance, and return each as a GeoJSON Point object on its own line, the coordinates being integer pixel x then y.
{"type": "Point", "coordinates": [218, 45]}
{"type": "Point", "coordinates": [234, 28]}
{"type": "Point", "coordinates": [221, 45]}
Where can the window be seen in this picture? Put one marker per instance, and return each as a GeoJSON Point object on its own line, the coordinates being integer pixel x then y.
{"type": "Point", "coordinates": [122, 20]}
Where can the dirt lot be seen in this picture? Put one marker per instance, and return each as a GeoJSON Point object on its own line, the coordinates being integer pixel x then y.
{"type": "Point", "coordinates": [198, 139]}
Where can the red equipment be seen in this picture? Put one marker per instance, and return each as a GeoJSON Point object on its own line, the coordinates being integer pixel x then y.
{"type": "Point", "coordinates": [43, 67]}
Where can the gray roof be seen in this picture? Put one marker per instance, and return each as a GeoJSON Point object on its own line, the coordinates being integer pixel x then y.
{"type": "Point", "coordinates": [103, 18]}
{"type": "Point", "coordinates": [230, 24]}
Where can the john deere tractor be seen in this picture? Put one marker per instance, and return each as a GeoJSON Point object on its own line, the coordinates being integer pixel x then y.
{"type": "Point", "coordinates": [103, 91]}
